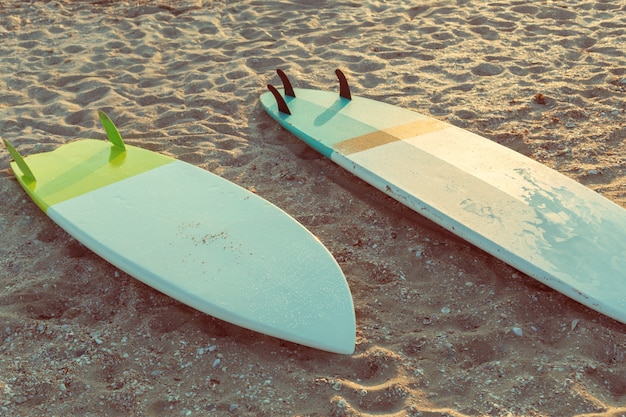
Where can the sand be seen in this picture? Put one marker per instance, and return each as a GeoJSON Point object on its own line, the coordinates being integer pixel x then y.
{"type": "Point", "coordinates": [438, 321]}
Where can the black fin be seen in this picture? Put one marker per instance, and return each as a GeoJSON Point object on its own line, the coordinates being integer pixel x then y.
{"type": "Point", "coordinates": [344, 88]}
{"type": "Point", "coordinates": [286, 83]}
{"type": "Point", "coordinates": [282, 105]}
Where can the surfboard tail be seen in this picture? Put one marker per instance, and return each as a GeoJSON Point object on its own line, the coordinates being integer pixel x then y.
{"type": "Point", "coordinates": [344, 90]}
{"type": "Point", "coordinates": [19, 160]}
{"type": "Point", "coordinates": [112, 133]}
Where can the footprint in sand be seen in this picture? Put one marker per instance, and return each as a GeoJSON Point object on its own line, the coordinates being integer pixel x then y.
{"type": "Point", "coordinates": [375, 385]}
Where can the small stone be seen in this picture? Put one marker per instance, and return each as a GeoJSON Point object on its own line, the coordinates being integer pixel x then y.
{"type": "Point", "coordinates": [233, 407]}
{"type": "Point", "coordinates": [540, 99]}
{"type": "Point", "coordinates": [574, 324]}
{"type": "Point", "coordinates": [20, 399]}
{"type": "Point", "coordinates": [341, 405]}
{"type": "Point", "coordinates": [445, 310]}
{"type": "Point", "coordinates": [518, 331]}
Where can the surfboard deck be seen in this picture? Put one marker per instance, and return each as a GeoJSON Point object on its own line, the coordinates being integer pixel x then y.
{"type": "Point", "coordinates": [194, 236]}
{"type": "Point", "coordinates": [546, 225]}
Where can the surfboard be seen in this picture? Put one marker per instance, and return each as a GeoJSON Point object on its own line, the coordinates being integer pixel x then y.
{"type": "Point", "coordinates": [542, 223]}
{"type": "Point", "coordinates": [194, 236]}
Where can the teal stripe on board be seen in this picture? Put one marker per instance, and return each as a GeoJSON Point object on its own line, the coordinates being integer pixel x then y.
{"type": "Point", "coordinates": [313, 122]}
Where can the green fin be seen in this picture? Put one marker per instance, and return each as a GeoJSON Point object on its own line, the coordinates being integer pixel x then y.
{"type": "Point", "coordinates": [19, 160]}
{"type": "Point", "coordinates": [112, 133]}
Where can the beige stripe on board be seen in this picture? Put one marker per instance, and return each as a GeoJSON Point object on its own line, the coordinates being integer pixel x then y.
{"type": "Point", "coordinates": [392, 134]}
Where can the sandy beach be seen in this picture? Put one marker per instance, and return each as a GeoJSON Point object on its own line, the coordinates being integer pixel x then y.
{"type": "Point", "coordinates": [443, 329]}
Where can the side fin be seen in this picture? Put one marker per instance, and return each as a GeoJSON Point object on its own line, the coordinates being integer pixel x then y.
{"type": "Point", "coordinates": [344, 88]}
{"type": "Point", "coordinates": [19, 160]}
{"type": "Point", "coordinates": [282, 105]}
{"type": "Point", "coordinates": [112, 133]}
{"type": "Point", "coordinates": [286, 83]}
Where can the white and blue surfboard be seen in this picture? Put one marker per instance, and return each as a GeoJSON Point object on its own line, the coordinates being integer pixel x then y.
{"type": "Point", "coordinates": [537, 220]}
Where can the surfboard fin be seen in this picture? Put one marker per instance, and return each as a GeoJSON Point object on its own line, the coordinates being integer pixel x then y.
{"type": "Point", "coordinates": [344, 88]}
{"type": "Point", "coordinates": [19, 160]}
{"type": "Point", "coordinates": [282, 104]}
{"type": "Point", "coordinates": [286, 83]}
{"type": "Point", "coordinates": [112, 133]}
